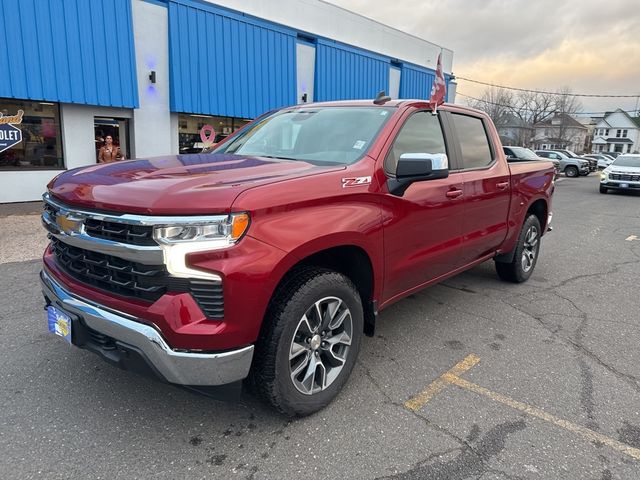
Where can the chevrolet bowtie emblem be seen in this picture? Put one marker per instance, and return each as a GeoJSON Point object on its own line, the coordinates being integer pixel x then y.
{"type": "Point", "coordinates": [67, 224]}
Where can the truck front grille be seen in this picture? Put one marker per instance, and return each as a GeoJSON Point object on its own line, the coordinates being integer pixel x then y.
{"type": "Point", "coordinates": [627, 177]}
{"type": "Point", "coordinates": [110, 273]}
{"type": "Point", "coordinates": [120, 232]}
{"type": "Point", "coordinates": [135, 280]}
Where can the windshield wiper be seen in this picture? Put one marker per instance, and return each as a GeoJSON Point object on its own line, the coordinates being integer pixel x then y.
{"type": "Point", "coordinates": [279, 158]}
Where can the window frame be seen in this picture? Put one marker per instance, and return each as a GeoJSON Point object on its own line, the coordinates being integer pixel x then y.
{"type": "Point", "coordinates": [460, 159]}
{"type": "Point", "coordinates": [444, 127]}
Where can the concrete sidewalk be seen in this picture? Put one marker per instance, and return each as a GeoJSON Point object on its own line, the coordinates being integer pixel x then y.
{"type": "Point", "coordinates": [22, 236]}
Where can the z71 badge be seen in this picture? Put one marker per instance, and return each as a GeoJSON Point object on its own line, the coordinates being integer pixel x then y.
{"type": "Point", "coordinates": [355, 181]}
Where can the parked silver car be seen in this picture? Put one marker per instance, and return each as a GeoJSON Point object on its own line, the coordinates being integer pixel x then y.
{"type": "Point", "coordinates": [572, 167]}
{"type": "Point", "coordinates": [593, 163]}
{"type": "Point", "coordinates": [622, 174]}
{"type": "Point", "coordinates": [603, 160]}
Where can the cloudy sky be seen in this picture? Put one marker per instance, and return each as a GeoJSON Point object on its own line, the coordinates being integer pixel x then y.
{"type": "Point", "coordinates": [590, 46]}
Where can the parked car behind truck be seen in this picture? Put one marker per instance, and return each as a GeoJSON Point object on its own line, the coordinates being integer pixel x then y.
{"type": "Point", "coordinates": [268, 259]}
{"type": "Point", "coordinates": [521, 154]}
{"type": "Point", "coordinates": [593, 163]}
{"type": "Point", "coordinates": [572, 167]}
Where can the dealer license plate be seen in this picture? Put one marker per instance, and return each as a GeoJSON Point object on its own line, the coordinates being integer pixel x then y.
{"type": "Point", "coordinates": [59, 323]}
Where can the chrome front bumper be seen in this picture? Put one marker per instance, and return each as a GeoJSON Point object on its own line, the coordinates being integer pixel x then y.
{"type": "Point", "coordinates": [179, 367]}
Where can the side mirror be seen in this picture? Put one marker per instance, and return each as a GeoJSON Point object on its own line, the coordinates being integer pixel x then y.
{"type": "Point", "coordinates": [417, 167]}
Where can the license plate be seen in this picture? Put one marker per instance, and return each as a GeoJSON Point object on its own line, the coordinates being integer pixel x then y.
{"type": "Point", "coordinates": [59, 323]}
{"type": "Point", "coordinates": [624, 185]}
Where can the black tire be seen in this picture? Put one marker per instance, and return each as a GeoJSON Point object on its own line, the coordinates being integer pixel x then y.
{"type": "Point", "coordinates": [603, 189]}
{"type": "Point", "coordinates": [515, 271]}
{"type": "Point", "coordinates": [571, 171]}
{"type": "Point", "coordinates": [271, 371]}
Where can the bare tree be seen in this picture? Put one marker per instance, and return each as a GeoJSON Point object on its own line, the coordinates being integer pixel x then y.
{"type": "Point", "coordinates": [519, 111]}
{"type": "Point", "coordinates": [534, 107]}
{"type": "Point", "coordinates": [495, 102]}
{"type": "Point", "coordinates": [566, 105]}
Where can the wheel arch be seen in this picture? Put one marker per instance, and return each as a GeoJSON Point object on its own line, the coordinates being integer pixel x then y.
{"type": "Point", "coordinates": [540, 208]}
{"type": "Point", "coordinates": [353, 260]}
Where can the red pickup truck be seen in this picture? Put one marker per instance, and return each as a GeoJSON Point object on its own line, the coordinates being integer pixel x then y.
{"type": "Point", "coordinates": [267, 260]}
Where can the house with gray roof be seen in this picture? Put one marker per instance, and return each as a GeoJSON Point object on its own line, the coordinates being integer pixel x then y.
{"type": "Point", "coordinates": [561, 131]}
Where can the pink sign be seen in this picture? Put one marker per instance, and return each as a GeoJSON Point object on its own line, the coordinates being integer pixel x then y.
{"type": "Point", "coordinates": [207, 134]}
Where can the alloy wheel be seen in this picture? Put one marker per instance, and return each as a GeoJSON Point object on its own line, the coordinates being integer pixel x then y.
{"type": "Point", "coordinates": [530, 249]}
{"type": "Point", "coordinates": [320, 345]}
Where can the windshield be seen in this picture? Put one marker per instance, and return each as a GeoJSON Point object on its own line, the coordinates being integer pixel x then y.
{"type": "Point", "coordinates": [524, 153]}
{"type": "Point", "coordinates": [572, 154]}
{"type": "Point", "coordinates": [320, 135]}
{"type": "Point", "coordinates": [627, 161]}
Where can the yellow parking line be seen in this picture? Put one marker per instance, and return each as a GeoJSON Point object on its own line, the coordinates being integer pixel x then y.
{"type": "Point", "coordinates": [547, 417]}
{"type": "Point", "coordinates": [452, 377]}
{"type": "Point", "coordinates": [435, 387]}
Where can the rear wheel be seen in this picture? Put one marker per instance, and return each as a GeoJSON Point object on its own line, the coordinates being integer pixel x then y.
{"type": "Point", "coordinates": [525, 257]}
{"type": "Point", "coordinates": [571, 171]}
{"type": "Point", "coordinates": [309, 342]}
{"type": "Point", "coordinates": [603, 189]}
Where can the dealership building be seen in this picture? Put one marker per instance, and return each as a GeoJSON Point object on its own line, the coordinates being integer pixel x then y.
{"type": "Point", "coordinates": [153, 73]}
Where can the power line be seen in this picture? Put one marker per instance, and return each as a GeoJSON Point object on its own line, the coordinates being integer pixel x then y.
{"type": "Point", "coordinates": [631, 112]}
{"type": "Point", "coordinates": [589, 95]}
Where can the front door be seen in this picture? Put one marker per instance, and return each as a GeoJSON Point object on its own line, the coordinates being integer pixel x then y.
{"type": "Point", "coordinates": [422, 228]}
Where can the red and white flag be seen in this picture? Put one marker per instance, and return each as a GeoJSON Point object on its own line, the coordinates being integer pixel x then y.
{"type": "Point", "coordinates": [439, 88]}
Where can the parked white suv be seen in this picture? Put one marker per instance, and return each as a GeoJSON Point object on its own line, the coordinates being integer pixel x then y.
{"type": "Point", "coordinates": [622, 174]}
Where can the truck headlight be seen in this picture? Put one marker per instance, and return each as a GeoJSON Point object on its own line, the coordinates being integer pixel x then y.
{"type": "Point", "coordinates": [224, 230]}
{"type": "Point", "coordinates": [177, 241]}
{"type": "Point", "coordinates": [603, 177]}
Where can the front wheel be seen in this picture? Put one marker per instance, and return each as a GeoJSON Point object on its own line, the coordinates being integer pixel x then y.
{"type": "Point", "coordinates": [571, 171]}
{"type": "Point", "coordinates": [603, 189]}
{"type": "Point", "coordinates": [525, 257]}
{"type": "Point", "coordinates": [309, 342]}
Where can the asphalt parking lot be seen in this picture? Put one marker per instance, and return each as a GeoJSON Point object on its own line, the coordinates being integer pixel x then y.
{"type": "Point", "coordinates": [473, 378]}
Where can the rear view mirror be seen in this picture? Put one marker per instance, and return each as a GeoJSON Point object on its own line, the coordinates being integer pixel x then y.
{"type": "Point", "coordinates": [417, 167]}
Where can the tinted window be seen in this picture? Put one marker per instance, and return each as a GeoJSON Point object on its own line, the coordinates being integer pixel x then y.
{"type": "Point", "coordinates": [421, 133]}
{"type": "Point", "coordinates": [474, 144]}
{"type": "Point", "coordinates": [508, 152]}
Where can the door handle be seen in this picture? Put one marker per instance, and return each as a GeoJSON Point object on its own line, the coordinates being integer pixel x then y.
{"type": "Point", "coordinates": [502, 185]}
{"type": "Point", "coordinates": [454, 193]}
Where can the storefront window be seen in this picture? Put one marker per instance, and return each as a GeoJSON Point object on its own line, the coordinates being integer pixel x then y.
{"type": "Point", "coordinates": [30, 135]}
{"type": "Point", "coordinates": [189, 127]}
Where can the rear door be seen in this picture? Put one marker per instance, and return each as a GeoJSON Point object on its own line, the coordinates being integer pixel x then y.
{"type": "Point", "coordinates": [422, 228]}
{"type": "Point", "coordinates": [487, 187]}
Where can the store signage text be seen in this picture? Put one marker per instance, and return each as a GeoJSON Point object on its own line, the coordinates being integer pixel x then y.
{"type": "Point", "coordinates": [9, 134]}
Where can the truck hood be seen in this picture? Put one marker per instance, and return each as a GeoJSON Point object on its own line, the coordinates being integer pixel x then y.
{"type": "Point", "coordinates": [174, 185]}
